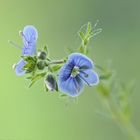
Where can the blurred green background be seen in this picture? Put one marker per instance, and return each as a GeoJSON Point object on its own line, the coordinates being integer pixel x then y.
{"type": "Point", "coordinates": [32, 114]}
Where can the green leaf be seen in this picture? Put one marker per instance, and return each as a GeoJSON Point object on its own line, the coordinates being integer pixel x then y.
{"type": "Point", "coordinates": [45, 49]}
{"type": "Point", "coordinates": [103, 89]}
{"type": "Point", "coordinates": [56, 67]}
{"type": "Point", "coordinates": [46, 89]}
{"type": "Point", "coordinates": [39, 50]}
{"type": "Point", "coordinates": [82, 36]}
{"type": "Point", "coordinates": [37, 77]}
{"type": "Point", "coordinates": [63, 95]}
{"type": "Point", "coordinates": [65, 59]}
{"type": "Point", "coordinates": [56, 87]}
{"type": "Point", "coordinates": [30, 77]}
{"type": "Point", "coordinates": [32, 83]}
{"type": "Point", "coordinates": [89, 28]}
{"type": "Point", "coordinates": [34, 70]}
{"type": "Point", "coordinates": [28, 58]}
{"type": "Point", "coordinates": [100, 68]}
{"type": "Point", "coordinates": [70, 50]}
{"type": "Point", "coordinates": [105, 76]}
{"type": "Point", "coordinates": [28, 65]}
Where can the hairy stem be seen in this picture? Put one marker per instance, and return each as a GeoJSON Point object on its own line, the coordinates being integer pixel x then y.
{"type": "Point", "coordinates": [119, 117]}
{"type": "Point", "coordinates": [56, 62]}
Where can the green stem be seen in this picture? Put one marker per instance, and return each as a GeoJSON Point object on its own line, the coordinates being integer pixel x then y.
{"type": "Point", "coordinates": [120, 118]}
{"type": "Point", "coordinates": [56, 62]}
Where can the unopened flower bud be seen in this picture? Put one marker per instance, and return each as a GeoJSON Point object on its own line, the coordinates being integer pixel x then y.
{"type": "Point", "coordinates": [50, 82]}
{"type": "Point", "coordinates": [41, 65]}
{"type": "Point", "coordinates": [42, 55]}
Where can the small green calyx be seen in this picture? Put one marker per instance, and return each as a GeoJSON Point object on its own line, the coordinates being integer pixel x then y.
{"type": "Point", "coordinates": [41, 65]}
{"type": "Point", "coordinates": [31, 63]}
{"type": "Point", "coordinates": [75, 71]}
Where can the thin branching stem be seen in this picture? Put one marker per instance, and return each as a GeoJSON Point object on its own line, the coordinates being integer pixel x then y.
{"type": "Point", "coordinates": [119, 118]}
{"type": "Point", "coordinates": [56, 62]}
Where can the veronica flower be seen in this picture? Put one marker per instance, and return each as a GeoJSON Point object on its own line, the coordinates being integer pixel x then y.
{"type": "Point", "coordinates": [29, 36]}
{"type": "Point", "coordinates": [76, 72]}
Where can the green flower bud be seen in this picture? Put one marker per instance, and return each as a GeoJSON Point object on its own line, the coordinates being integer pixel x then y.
{"type": "Point", "coordinates": [42, 55]}
{"type": "Point", "coordinates": [41, 65]}
{"type": "Point", "coordinates": [50, 82]}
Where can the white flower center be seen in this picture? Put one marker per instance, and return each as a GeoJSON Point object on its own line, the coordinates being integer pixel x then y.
{"type": "Point", "coordinates": [75, 71]}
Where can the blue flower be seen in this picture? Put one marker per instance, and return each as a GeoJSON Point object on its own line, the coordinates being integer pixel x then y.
{"type": "Point", "coordinates": [29, 36]}
{"type": "Point", "coordinates": [76, 72]}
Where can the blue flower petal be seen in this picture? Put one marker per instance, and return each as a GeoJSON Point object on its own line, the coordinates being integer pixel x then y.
{"type": "Point", "coordinates": [30, 34]}
{"type": "Point", "coordinates": [82, 61]}
{"type": "Point", "coordinates": [89, 77]}
{"type": "Point", "coordinates": [65, 71]}
{"type": "Point", "coordinates": [73, 86]}
{"type": "Point", "coordinates": [30, 50]}
{"type": "Point", "coordinates": [19, 67]}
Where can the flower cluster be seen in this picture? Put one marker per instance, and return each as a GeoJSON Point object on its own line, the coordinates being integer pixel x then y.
{"type": "Point", "coordinates": [68, 75]}
{"type": "Point", "coordinates": [29, 36]}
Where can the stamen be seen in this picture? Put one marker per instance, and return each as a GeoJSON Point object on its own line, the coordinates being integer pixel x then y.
{"type": "Point", "coordinates": [75, 71]}
{"type": "Point", "coordinates": [14, 44]}
{"type": "Point", "coordinates": [23, 36]}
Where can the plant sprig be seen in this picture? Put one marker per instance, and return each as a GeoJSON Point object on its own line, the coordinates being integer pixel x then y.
{"type": "Point", "coordinates": [114, 95]}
